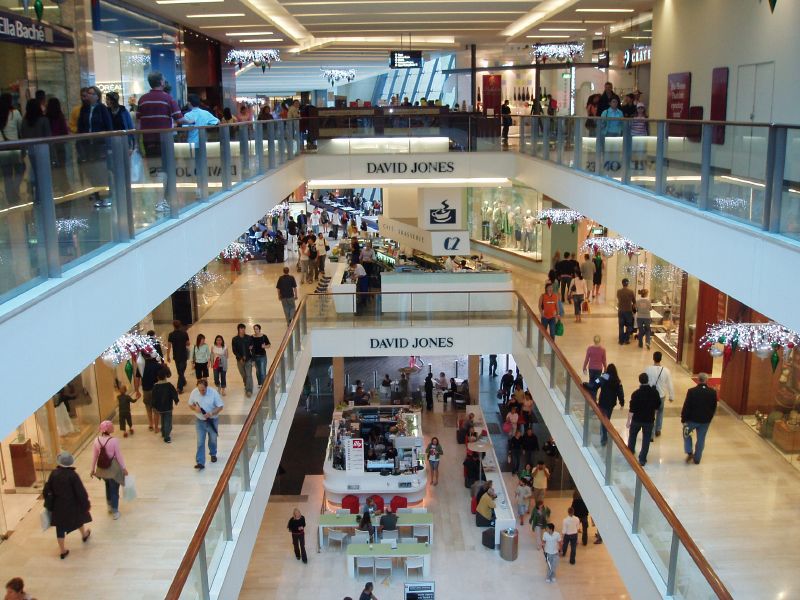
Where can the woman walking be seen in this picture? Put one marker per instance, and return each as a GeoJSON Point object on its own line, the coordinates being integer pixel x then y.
{"type": "Point", "coordinates": [200, 357]}
{"type": "Point", "coordinates": [540, 517]}
{"type": "Point", "coordinates": [260, 345]}
{"type": "Point", "coordinates": [297, 525]}
{"type": "Point", "coordinates": [109, 465]}
{"type": "Point", "coordinates": [15, 590]}
{"type": "Point", "coordinates": [67, 500]}
{"type": "Point", "coordinates": [577, 287]}
{"type": "Point", "coordinates": [220, 354]}
{"type": "Point", "coordinates": [303, 259]}
{"type": "Point", "coordinates": [434, 452]}
{"type": "Point", "coordinates": [611, 392]}
{"type": "Point", "coordinates": [643, 319]}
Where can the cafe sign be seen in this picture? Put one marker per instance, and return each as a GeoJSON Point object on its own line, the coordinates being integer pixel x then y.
{"type": "Point", "coordinates": [636, 55]}
{"type": "Point", "coordinates": [22, 30]}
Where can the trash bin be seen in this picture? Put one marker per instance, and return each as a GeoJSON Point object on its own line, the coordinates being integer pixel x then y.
{"type": "Point", "coordinates": [509, 544]}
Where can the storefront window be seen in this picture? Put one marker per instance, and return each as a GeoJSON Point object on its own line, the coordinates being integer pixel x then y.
{"type": "Point", "coordinates": [506, 218]}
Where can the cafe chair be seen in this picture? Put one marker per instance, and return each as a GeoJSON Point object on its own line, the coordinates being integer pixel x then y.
{"type": "Point", "coordinates": [422, 531]}
{"type": "Point", "coordinates": [364, 562]}
{"type": "Point", "coordinates": [404, 510]}
{"type": "Point", "coordinates": [408, 540]}
{"type": "Point", "coordinates": [350, 502]}
{"type": "Point", "coordinates": [398, 502]}
{"type": "Point", "coordinates": [340, 537]}
{"type": "Point", "coordinates": [361, 537]}
{"type": "Point", "coordinates": [414, 562]}
{"type": "Point", "coordinates": [382, 564]}
{"type": "Point", "coordinates": [389, 535]}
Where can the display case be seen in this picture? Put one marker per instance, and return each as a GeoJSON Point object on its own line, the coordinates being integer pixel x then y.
{"type": "Point", "coordinates": [506, 218]}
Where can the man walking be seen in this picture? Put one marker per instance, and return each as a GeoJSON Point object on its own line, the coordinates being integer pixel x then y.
{"type": "Point", "coordinates": [206, 404]}
{"type": "Point", "coordinates": [661, 379]}
{"type": "Point", "coordinates": [625, 302]}
{"type": "Point", "coordinates": [493, 365]}
{"type": "Point", "coordinates": [565, 270]}
{"type": "Point", "coordinates": [242, 346]}
{"type": "Point", "coordinates": [287, 294]}
{"type": "Point", "coordinates": [696, 415]}
{"type": "Point", "coordinates": [588, 269]}
{"type": "Point", "coordinates": [570, 529]}
{"type": "Point", "coordinates": [643, 406]}
{"type": "Point", "coordinates": [506, 383]}
{"type": "Point", "coordinates": [552, 547]}
{"type": "Point", "coordinates": [178, 348]}
{"type": "Point", "coordinates": [540, 476]}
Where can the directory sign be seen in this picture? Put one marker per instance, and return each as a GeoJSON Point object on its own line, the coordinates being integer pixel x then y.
{"type": "Point", "coordinates": [354, 454]}
{"type": "Point", "coordinates": [405, 59]}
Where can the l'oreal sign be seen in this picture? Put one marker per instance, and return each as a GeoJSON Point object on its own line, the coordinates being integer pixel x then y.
{"type": "Point", "coordinates": [637, 55]}
{"type": "Point", "coordinates": [22, 30]}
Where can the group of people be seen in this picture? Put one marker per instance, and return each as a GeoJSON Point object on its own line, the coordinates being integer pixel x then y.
{"type": "Point", "coordinates": [608, 105]}
{"type": "Point", "coordinates": [578, 282]}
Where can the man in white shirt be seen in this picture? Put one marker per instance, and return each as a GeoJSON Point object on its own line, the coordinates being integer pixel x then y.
{"type": "Point", "coordinates": [206, 404]}
{"type": "Point", "coordinates": [660, 378]}
{"type": "Point", "coordinates": [322, 253]}
{"type": "Point", "coordinates": [570, 529]}
{"type": "Point", "coordinates": [197, 117]}
{"type": "Point", "coordinates": [313, 220]}
{"type": "Point", "coordinates": [551, 541]}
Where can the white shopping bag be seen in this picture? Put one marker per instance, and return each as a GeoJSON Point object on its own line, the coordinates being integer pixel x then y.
{"type": "Point", "coordinates": [130, 488]}
{"type": "Point", "coordinates": [137, 167]}
{"type": "Point", "coordinates": [44, 519]}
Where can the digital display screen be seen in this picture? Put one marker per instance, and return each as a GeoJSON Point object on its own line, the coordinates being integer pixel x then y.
{"type": "Point", "coordinates": [405, 59]}
{"type": "Point", "coordinates": [380, 465]}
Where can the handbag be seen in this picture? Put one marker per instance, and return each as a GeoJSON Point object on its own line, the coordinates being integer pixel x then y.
{"type": "Point", "coordinates": [585, 306]}
{"type": "Point", "coordinates": [45, 519]}
{"type": "Point", "coordinates": [559, 328]}
{"type": "Point", "coordinates": [500, 394]}
{"type": "Point", "coordinates": [137, 167]}
{"type": "Point", "coordinates": [507, 429]}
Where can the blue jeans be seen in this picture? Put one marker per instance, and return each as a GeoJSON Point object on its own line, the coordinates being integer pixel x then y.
{"type": "Point", "coordinates": [246, 371]}
{"type": "Point", "coordinates": [604, 432]}
{"type": "Point", "coordinates": [625, 321]}
{"type": "Point", "coordinates": [550, 324]}
{"type": "Point", "coordinates": [702, 430]}
{"type": "Point", "coordinates": [219, 378]}
{"type": "Point", "coordinates": [261, 368]}
{"type": "Point", "coordinates": [552, 565]}
{"type": "Point", "coordinates": [660, 416]}
{"type": "Point", "coordinates": [570, 541]}
{"type": "Point", "coordinates": [112, 494]}
{"type": "Point", "coordinates": [647, 433]}
{"type": "Point", "coordinates": [166, 425]}
{"type": "Point", "coordinates": [644, 331]}
{"type": "Point", "coordinates": [204, 428]}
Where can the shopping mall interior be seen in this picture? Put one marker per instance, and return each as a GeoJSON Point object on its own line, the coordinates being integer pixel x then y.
{"type": "Point", "coordinates": [297, 259]}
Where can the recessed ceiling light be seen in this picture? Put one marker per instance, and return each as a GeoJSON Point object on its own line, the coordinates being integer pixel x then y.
{"type": "Point", "coordinates": [547, 36]}
{"type": "Point", "coordinates": [215, 16]}
{"type": "Point", "coordinates": [248, 33]}
{"type": "Point", "coordinates": [256, 41]}
{"type": "Point", "coordinates": [562, 29]}
{"type": "Point", "coordinates": [604, 10]}
{"type": "Point", "coordinates": [598, 33]}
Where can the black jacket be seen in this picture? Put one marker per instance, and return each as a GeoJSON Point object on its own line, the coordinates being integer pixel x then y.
{"type": "Point", "coordinates": [66, 497]}
{"type": "Point", "coordinates": [610, 393]}
{"type": "Point", "coordinates": [605, 102]}
{"type": "Point", "coordinates": [514, 443]}
{"type": "Point", "coordinates": [243, 347]}
{"type": "Point", "coordinates": [700, 404]}
{"type": "Point", "coordinates": [644, 404]}
{"type": "Point", "coordinates": [530, 443]}
{"type": "Point", "coordinates": [165, 396]}
{"type": "Point", "coordinates": [579, 506]}
{"type": "Point", "coordinates": [507, 381]}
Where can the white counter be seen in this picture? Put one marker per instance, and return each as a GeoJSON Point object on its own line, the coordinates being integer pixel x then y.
{"type": "Point", "coordinates": [421, 283]}
{"type": "Point", "coordinates": [336, 271]}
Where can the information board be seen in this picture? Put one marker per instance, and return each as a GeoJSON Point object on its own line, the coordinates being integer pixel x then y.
{"type": "Point", "coordinates": [354, 454]}
{"type": "Point", "coordinates": [405, 59]}
{"type": "Point", "coordinates": [420, 590]}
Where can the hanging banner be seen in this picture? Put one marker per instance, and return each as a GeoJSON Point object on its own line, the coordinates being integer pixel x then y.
{"type": "Point", "coordinates": [22, 30]}
{"type": "Point", "coordinates": [679, 89]}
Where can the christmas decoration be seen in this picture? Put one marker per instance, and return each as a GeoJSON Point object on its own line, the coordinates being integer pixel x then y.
{"type": "Point", "coordinates": [609, 246]}
{"type": "Point", "coordinates": [129, 347]}
{"type": "Point", "coordinates": [563, 51]}
{"type": "Point", "coordinates": [730, 203]}
{"type": "Point", "coordinates": [38, 8]}
{"type": "Point", "coordinates": [334, 76]}
{"type": "Point", "coordinates": [559, 216]}
{"type": "Point", "coordinates": [763, 339]}
{"type": "Point", "coordinates": [235, 251]}
{"type": "Point", "coordinates": [138, 59]}
{"type": "Point", "coordinates": [71, 225]}
{"type": "Point", "coordinates": [260, 58]}
{"type": "Point", "coordinates": [203, 278]}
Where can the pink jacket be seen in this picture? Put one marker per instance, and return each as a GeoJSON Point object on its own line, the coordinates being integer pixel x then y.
{"type": "Point", "coordinates": [595, 358]}
{"type": "Point", "coordinates": [112, 449]}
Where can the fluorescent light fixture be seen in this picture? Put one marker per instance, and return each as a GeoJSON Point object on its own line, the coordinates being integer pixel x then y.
{"type": "Point", "coordinates": [315, 184]}
{"type": "Point", "coordinates": [148, 37]}
{"type": "Point", "coordinates": [259, 40]}
{"type": "Point", "coordinates": [247, 34]}
{"type": "Point", "coordinates": [215, 16]}
{"type": "Point", "coordinates": [636, 37]}
{"type": "Point", "coordinates": [548, 36]}
{"type": "Point", "coordinates": [542, 11]}
{"type": "Point", "coordinates": [604, 10]}
{"type": "Point", "coordinates": [562, 29]}
{"type": "Point", "coordinates": [187, 1]}
{"type": "Point", "coordinates": [598, 33]}
{"type": "Point", "coordinates": [229, 26]}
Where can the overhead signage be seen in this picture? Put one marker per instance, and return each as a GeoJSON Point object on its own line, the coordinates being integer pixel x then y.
{"type": "Point", "coordinates": [354, 454]}
{"type": "Point", "coordinates": [636, 55]}
{"type": "Point", "coordinates": [420, 590]}
{"type": "Point", "coordinates": [409, 167]}
{"type": "Point", "coordinates": [22, 30]}
{"type": "Point", "coordinates": [109, 86]}
{"type": "Point", "coordinates": [441, 208]}
{"type": "Point", "coordinates": [410, 342]}
{"type": "Point", "coordinates": [405, 59]}
{"type": "Point", "coordinates": [602, 59]}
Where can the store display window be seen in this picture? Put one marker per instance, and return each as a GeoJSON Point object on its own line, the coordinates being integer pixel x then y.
{"type": "Point", "coordinates": [506, 218]}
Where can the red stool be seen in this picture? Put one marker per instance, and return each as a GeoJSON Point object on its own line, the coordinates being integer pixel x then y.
{"type": "Point", "coordinates": [474, 507]}
{"type": "Point", "coordinates": [378, 502]}
{"type": "Point", "coordinates": [398, 502]}
{"type": "Point", "coordinates": [351, 502]}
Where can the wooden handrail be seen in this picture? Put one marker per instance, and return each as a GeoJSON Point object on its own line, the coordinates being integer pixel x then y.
{"type": "Point", "coordinates": [702, 564]}
{"type": "Point", "coordinates": [185, 568]}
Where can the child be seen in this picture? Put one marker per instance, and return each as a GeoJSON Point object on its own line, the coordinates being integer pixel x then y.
{"type": "Point", "coordinates": [522, 497]}
{"type": "Point", "coordinates": [124, 403]}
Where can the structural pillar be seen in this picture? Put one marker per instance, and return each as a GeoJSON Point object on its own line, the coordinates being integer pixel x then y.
{"type": "Point", "coordinates": [473, 374]}
{"type": "Point", "coordinates": [338, 379]}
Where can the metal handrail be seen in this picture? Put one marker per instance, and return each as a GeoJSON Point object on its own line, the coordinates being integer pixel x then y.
{"type": "Point", "coordinates": [198, 538]}
{"type": "Point", "coordinates": [185, 568]}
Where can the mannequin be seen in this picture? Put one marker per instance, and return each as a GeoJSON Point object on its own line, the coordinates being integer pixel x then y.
{"type": "Point", "coordinates": [486, 215]}
{"type": "Point", "coordinates": [530, 223]}
{"type": "Point", "coordinates": [497, 219]}
{"type": "Point", "coordinates": [518, 228]}
{"type": "Point", "coordinates": [509, 226]}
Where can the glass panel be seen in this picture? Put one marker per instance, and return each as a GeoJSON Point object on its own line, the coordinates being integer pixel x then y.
{"type": "Point", "coordinates": [485, 133]}
{"type": "Point", "coordinates": [690, 584]}
{"type": "Point", "coordinates": [236, 491]}
{"type": "Point", "coordinates": [559, 378]}
{"type": "Point", "coordinates": [577, 406]}
{"type": "Point", "coordinates": [655, 534]}
{"type": "Point", "coordinates": [613, 142]}
{"type": "Point", "coordinates": [215, 541]}
{"type": "Point", "coordinates": [623, 480]}
{"type": "Point", "coordinates": [597, 449]}
{"type": "Point", "coordinates": [148, 182]}
{"type": "Point", "coordinates": [538, 132]}
{"type": "Point", "coordinates": [790, 206]}
{"type": "Point", "coordinates": [252, 448]}
{"type": "Point", "coordinates": [192, 589]}
{"type": "Point", "coordinates": [738, 160]}
{"type": "Point", "coordinates": [682, 157]}
{"type": "Point", "coordinates": [644, 138]}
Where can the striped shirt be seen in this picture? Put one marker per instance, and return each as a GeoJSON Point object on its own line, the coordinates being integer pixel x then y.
{"type": "Point", "coordinates": [156, 110]}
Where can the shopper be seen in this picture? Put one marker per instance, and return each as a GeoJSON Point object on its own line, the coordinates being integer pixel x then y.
{"type": "Point", "coordinates": [434, 452]}
{"type": "Point", "coordinates": [206, 405]}
{"type": "Point", "coordinates": [428, 385]}
{"type": "Point", "coordinates": [540, 476]}
{"type": "Point", "coordinates": [493, 365]}
{"type": "Point", "coordinates": [165, 398]}
{"type": "Point", "coordinates": [595, 360]}
{"type": "Point", "coordinates": [178, 348]}
{"type": "Point", "coordinates": [696, 415]}
{"type": "Point", "coordinates": [625, 305]}
{"type": "Point", "coordinates": [587, 273]}
{"type": "Point", "coordinates": [124, 402]}
{"type": "Point", "coordinates": [75, 113]}
{"type": "Point", "coordinates": [66, 499]}
{"type": "Point", "coordinates": [643, 406]}
{"type": "Point", "coordinates": [485, 515]}
{"type": "Point", "coordinates": [297, 526]}
{"type": "Point", "coordinates": [201, 354]}
{"type": "Point", "coordinates": [611, 119]}
{"type": "Point", "coordinates": [219, 355]}
{"type": "Point", "coordinates": [322, 254]}
{"type": "Point", "coordinates": [522, 497]}
{"type": "Point", "coordinates": [551, 541]}
{"type": "Point", "coordinates": [506, 385]}
{"type": "Point", "coordinates": [242, 346]}
{"type": "Point", "coordinates": [565, 271]}
{"type": "Point", "coordinates": [260, 345]}
{"type": "Point", "coordinates": [661, 379]}
{"type": "Point", "coordinates": [505, 112]}
{"type": "Point", "coordinates": [597, 279]}
{"type": "Point", "coordinates": [92, 152]}
{"type": "Point", "coordinates": [548, 309]}
{"type": "Point", "coordinates": [576, 289]}
{"type": "Point", "coordinates": [611, 392]}
{"type": "Point", "coordinates": [388, 521]}
{"type": "Point", "coordinates": [197, 117]}
{"type": "Point", "coordinates": [582, 513]}
{"type": "Point", "coordinates": [367, 594]}
{"type": "Point", "coordinates": [540, 517]}
{"type": "Point", "coordinates": [287, 294]}
{"type": "Point", "coordinates": [639, 123]}
{"type": "Point", "coordinates": [12, 165]}
{"type": "Point", "coordinates": [147, 379]}
{"type": "Point", "coordinates": [643, 319]}
{"type": "Point", "coordinates": [512, 424]}
{"type": "Point", "coordinates": [34, 123]}
{"type": "Point", "coordinates": [15, 590]}
{"type": "Point", "coordinates": [109, 465]}
{"type": "Point", "coordinates": [530, 446]}
{"type": "Point", "coordinates": [606, 97]}
{"type": "Point", "coordinates": [120, 117]}
{"type": "Point", "coordinates": [303, 259]}
{"type": "Point", "coordinates": [570, 529]}
{"type": "Point", "coordinates": [386, 389]}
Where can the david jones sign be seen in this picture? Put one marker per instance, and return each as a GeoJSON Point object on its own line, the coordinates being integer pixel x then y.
{"type": "Point", "coordinates": [417, 342]}
{"type": "Point", "coordinates": [396, 168]}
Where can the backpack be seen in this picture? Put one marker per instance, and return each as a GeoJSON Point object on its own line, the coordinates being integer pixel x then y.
{"type": "Point", "coordinates": [103, 459]}
{"type": "Point", "coordinates": [324, 218]}
{"type": "Point", "coordinates": [312, 251]}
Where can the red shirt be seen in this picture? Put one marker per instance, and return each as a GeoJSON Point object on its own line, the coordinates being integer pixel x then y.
{"type": "Point", "coordinates": [549, 305]}
{"type": "Point", "coordinates": [156, 110]}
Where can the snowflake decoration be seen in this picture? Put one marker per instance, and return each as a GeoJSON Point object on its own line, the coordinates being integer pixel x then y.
{"type": "Point", "coordinates": [334, 76]}
{"type": "Point", "coordinates": [764, 339]}
{"type": "Point", "coordinates": [564, 51]}
{"type": "Point", "coordinates": [128, 347]}
{"type": "Point", "coordinates": [609, 246]}
{"type": "Point", "coordinates": [203, 278]}
{"type": "Point", "coordinates": [559, 216]}
{"type": "Point", "coordinates": [730, 203]}
{"type": "Point", "coordinates": [260, 58]}
{"type": "Point", "coordinates": [71, 225]}
{"type": "Point", "coordinates": [236, 251]}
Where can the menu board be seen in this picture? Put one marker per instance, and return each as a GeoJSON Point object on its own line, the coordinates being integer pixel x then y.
{"type": "Point", "coordinates": [354, 454]}
{"type": "Point", "coordinates": [405, 59]}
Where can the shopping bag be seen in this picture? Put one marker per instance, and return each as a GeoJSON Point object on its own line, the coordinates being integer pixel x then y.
{"type": "Point", "coordinates": [507, 427]}
{"type": "Point", "coordinates": [44, 519]}
{"type": "Point", "coordinates": [585, 306]}
{"type": "Point", "coordinates": [629, 421]}
{"type": "Point", "coordinates": [137, 167]}
{"type": "Point", "coordinates": [559, 328]}
{"type": "Point", "coordinates": [130, 488]}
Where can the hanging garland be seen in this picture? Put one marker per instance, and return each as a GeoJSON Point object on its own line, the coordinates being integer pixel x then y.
{"type": "Point", "coordinates": [609, 246]}
{"type": "Point", "coordinates": [235, 251]}
{"type": "Point", "coordinates": [260, 58]}
{"type": "Point", "coordinates": [563, 51]}
{"type": "Point", "coordinates": [202, 278]}
{"type": "Point", "coordinates": [129, 348]}
{"type": "Point", "coordinates": [764, 339]}
{"type": "Point", "coordinates": [559, 216]}
{"type": "Point", "coordinates": [334, 76]}
{"type": "Point", "coordinates": [71, 225]}
{"type": "Point", "coordinates": [730, 203]}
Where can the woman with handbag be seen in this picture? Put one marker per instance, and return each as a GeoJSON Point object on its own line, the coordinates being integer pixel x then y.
{"type": "Point", "coordinates": [220, 364]}
{"type": "Point", "coordinates": [109, 465]}
{"type": "Point", "coordinates": [67, 500]}
{"type": "Point", "coordinates": [576, 290]}
{"type": "Point", "coordinates": [201, 354]}
{"type": "Point", "coordinates": [12, 165]}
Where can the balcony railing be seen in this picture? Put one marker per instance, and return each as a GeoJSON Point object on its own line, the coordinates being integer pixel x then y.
{"type": "Point", "coordinates": [747, 172]}
{"type": "Point", "coordinates": [684, 571]}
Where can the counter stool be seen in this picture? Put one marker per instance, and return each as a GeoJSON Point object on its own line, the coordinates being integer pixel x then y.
{"type": "Point", "coordinates": [340, 537]}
